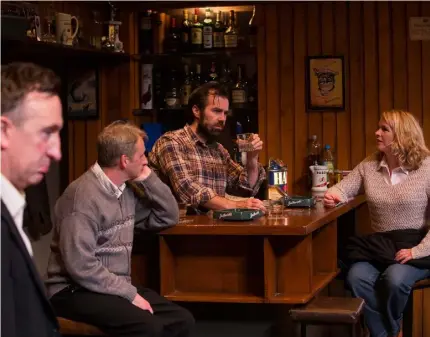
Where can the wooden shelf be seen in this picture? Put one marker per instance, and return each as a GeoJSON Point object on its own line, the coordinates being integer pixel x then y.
{"type": "Point", "coordinates": [152, 112]}
{"type": "Point", "coordinates": [226, 53]}
{"type": "Point", "coordinates": [32, 48]}
{"type": "Point", "coordinates": [213, 297]}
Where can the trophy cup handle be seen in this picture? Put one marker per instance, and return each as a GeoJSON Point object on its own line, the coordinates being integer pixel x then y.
{"type": "Point", "coordinates": [76, 27]}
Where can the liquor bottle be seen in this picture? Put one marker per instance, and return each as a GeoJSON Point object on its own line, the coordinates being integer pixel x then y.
{"type": "Point", "coordinates": [328, 160]}
{"type": "Point", "coordinates": [313, 158]}
{"type": "Point", "coordinates": [186, 86]}
{"type": "Point", "coordinates": [230, 35]}
{"type": "Point", "coordinates": [172, 41]}
{"type": "Point", "coordinates": [226, 80]}
{"type": "Point", "coordinates": [186, 31]}
{"type": "Point", "coordinates": [172, 98]}
{"type": "Point", "coordinates": [218, 34]}
{"type": "Point", "coordinates": [252, 30]}
{"type": "Point", "coordinates": [212, 74]}
{"type": "Point", "coordinates": [145, 33]}
{"type": "Point", "coordinates": [208, 30]}
{"type": "Point", "coordinates": [253, 90]}
{"type": "Point", "coordinates": [197, 79]}
{"type": "Point", "coordinates": [240, 34]}
{"type": "Point", "coordinates": [158, 86]}
{"type": "Point", "coordinates": [239, 90]}
{"type": "Point", "coordinates": [196, 33]}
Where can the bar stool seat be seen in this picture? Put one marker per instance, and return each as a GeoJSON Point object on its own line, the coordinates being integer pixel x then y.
{"type": "Point", "coordinates": [73, 328]}
{"type": "Point", "coordinates": [329, 311]}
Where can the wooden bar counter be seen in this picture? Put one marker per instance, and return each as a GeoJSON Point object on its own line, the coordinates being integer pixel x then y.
{"type": "Point", "coordinates": [285, 260]}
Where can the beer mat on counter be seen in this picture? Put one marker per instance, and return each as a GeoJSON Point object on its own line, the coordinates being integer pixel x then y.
{"type": "Point", "coordinates": [299, 201]}
{"type": "Point", "coordinates": [237, 214]}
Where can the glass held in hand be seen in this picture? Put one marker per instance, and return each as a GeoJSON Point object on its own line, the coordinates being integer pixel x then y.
{"type": "Point", "coordinates": [183, 207]}
{"type": "Point", "coordinates": [244, 142]}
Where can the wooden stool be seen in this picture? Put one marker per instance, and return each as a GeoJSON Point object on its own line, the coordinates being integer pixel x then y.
{"type": "Point", "coordinates": [72, 328]}
{"type": "Point", "coordinates": [408, 313]}
{"type": "Point", "coordinates": [329, 310]}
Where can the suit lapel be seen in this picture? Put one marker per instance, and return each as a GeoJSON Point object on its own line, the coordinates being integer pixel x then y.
{"type": "Point", "coordinates": [7, 218]}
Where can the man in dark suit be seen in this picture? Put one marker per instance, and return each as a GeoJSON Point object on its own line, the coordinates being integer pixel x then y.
{"type": "Point", "coordinates": [31, 119]}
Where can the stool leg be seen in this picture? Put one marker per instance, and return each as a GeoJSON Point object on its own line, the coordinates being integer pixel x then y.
{"type": "Point", "coordinates": [302, 330]}
{"type": "Point", "coordinates": [353, 328]}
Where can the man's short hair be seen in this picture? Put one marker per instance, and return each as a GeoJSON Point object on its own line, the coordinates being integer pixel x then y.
{"type": "Point", "coordinates": [117, 139]}
{"type": "Point", "coordinates": [18, 79]}
{"type": "Point", "coordinates": [199, 97]}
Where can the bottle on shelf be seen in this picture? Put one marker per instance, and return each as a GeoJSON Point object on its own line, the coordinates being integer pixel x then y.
{"type": "Point", "coordinates": [226, 80]}
{"type": "Point", "coordinates": [146, 43]}
{"type": "Point", "coordinates": [186, 86]}
{"type": "Point", "coordinates": [172, 41]}
{"type": "Point", "coordinates": [328, 160]}
{"type": "Point", "coordinates": [196, 33]}
{"type": "Point", "coordinates": [253, 91]}
{"type": "Point", "coordinates": [241, 39]}
{"type": "Point", "coordinates": [172, 98]}
{"type": "Point", "coordinates": [212, 73]}
{"type": "Point", "coordinates": [252, 32]}
{"type": "Point", "coordinates": [186, 31]}
{"type": "Point", "coordinates": [230, 35]}
{"type": "Point", "coordinates": [313, 157]}
{"type": "Point", "coordinates": [218, 34]}
{"type": "Point", "coordinates": [239, 90]}
{"type": "Point", "coordinates": [158, 81]}
{"type": "Point", "coordinates": [197, 79]}
{"type": "Point", "coordinates": [208, 30]}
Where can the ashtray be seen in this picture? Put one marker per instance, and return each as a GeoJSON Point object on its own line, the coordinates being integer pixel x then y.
{"type": "Point", "coordinates": [299, 202]}
{"type": "Point", "coordinates": [237, 214]}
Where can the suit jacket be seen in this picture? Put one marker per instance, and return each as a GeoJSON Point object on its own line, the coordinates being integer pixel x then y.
{"type": "Point", "coordinates": [25, 309]}
{"type": "Point", "coordinates": [37, 214]}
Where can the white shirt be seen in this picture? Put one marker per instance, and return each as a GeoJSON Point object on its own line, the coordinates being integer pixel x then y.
{"type": "Point", "coordinates": [106, 182]}
{"type": "Point", "coordinates": [398, 175]}
{"type": "Point", "coordinates": [15, 204]}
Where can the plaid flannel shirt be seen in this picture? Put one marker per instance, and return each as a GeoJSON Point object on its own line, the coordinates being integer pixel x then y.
{"type": "Point", "coordinates": [196, 171]}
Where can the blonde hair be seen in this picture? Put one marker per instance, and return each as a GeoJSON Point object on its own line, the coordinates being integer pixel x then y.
{"type": "Point", "coordinates": [117, 139]}
{"type": "Point", "coordinates": [408, 143]}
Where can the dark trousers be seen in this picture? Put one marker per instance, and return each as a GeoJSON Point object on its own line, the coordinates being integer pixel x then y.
{"type": "Point", "coordinates": [118, 317]}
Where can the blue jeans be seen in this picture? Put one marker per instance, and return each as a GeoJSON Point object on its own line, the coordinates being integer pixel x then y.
{"type": "Point", "coordinates": [385, 292]}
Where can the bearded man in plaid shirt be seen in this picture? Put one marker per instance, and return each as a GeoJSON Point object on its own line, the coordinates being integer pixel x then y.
{"type": "Point", "coordinates": [198, 169]}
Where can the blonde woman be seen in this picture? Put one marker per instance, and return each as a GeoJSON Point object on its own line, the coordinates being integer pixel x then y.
{"type": "Point", "coordinates": [396, 182]}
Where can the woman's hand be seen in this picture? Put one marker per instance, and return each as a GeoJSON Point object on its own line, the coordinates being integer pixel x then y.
{"type": "Point", "coordinates": [403, 256]}
{"type": "Point", "coordinates": [331, 199]}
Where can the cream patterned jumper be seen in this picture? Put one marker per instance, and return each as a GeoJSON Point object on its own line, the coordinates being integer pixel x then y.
{"type": "Point", "coordinates": [391, 207]}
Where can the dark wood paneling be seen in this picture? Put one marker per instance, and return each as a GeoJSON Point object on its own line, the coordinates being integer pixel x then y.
{"type": "Point", "coordinates": [272, 76]}
{"type": "Point", "coordinates": [399, 36]}
{"type": "Point", "coordinates": [300, 118]}
{"type": "Point", "coordinates": [425, 76]}
{"type": "Point", "coordinates": [371, 106]}
{"type": "Point", "coordinates": [343, 120]}
{"type": "Point", "coordinates": [286, 46]}
{"type": "Point", "coordinates": [384, 70]}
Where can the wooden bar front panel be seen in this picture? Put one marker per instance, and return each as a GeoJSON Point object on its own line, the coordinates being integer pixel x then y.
{"type": "Point", "coordinates": [212, 268]}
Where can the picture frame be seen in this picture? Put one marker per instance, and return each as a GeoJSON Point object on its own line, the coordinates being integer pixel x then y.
{"type": "Point", "coordinates": [325, 83]}
{"type": "Point", "coordinates": [83, 94]}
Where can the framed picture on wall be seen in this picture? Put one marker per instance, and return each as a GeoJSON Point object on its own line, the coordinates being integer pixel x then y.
{"type": "Point", "coordinates": [82, 94]}
{"type": "Point", "coordinates": [325, 83]}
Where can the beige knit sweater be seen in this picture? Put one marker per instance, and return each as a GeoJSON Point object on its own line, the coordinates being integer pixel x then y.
{"type": "Point", "coordinates": [401, 206]}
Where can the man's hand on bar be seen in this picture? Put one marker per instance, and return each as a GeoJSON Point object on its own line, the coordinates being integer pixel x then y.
{"type": "Point", "coordinates": [251, 203]}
